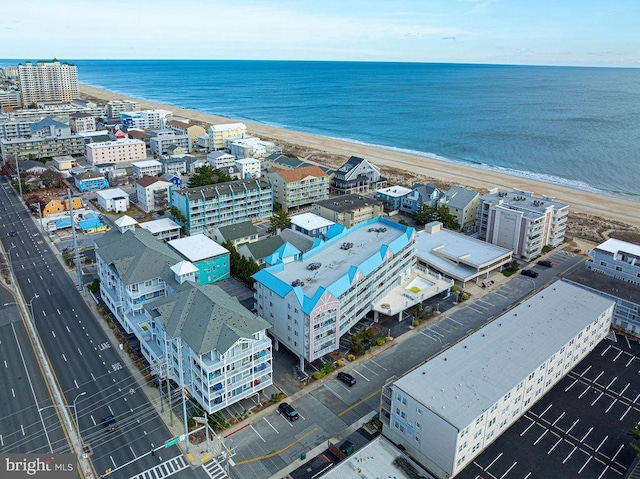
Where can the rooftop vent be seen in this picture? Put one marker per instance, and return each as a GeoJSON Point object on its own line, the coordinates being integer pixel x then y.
{"type": "Point", "coordinates": [313, 266]}
{"type": "Point", "coordinates": [346, 246]}
{"type": "Point", "coordinates": [297, 282]}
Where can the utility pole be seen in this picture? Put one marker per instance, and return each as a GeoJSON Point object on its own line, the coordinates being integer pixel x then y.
{"type": "Point", "coordinates": [75, 244]}
{"type": "Point", "coordinates": [184, 398]}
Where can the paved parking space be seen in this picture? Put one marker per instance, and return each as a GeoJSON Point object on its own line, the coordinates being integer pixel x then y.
{"type": "Point", "coordinates": [579, 428]}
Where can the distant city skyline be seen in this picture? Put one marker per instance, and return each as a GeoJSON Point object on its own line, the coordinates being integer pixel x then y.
{"type": "Point", "coordinates": [544, 32]}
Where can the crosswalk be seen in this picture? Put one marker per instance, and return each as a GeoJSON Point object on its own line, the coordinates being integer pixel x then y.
{"type": "Point", "coordinates": [165, 469]}
{"type": "Point", "coordinates": [214, 470]}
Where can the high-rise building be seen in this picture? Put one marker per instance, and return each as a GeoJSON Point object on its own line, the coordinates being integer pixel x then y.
{"type": "Point", "coordinates": [47, 81]}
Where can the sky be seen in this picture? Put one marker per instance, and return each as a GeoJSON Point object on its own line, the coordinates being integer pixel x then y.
{"type": "Point", "coordinates": [528, 32]}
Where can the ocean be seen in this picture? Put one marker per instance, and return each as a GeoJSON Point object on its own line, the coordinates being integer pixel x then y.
{"type": "Point", "coordinates": [578, 127]}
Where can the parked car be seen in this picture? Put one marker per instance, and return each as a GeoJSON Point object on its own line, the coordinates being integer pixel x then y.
{"type": "Point", "coordinates": [546, 262]}
{"type": "Point", "coordinates": [13, 233]}
{"type": "Point", "coordinates": [287, 411]}
{"type": "Point", "coordinates": [109, 422]}
{"type": "Point", "coordinates": [529, 272]}
{"type": "Point", "coordinates": [346, 378]}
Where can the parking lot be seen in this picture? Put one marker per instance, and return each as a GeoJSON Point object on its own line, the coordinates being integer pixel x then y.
{"type": "Point", "coordinates": [579, 428]}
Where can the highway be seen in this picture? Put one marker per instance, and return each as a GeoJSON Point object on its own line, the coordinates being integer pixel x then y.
{"type": "Point", "coordinates": [81, 356]}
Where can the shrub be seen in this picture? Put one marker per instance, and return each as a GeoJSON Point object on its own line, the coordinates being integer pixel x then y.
{"type": "Point", "coordinates": [454, 288]}
{"type": "Point", "coordinates": [351, 357]}
{"type": "Point", "coordinates": [319, 374]}
{"type": "Point", "coordinates": [327, 368]}
{"type": "Point", "coordinates": [416, 322]}
{"type": "Point", "coordinates": [465, 296]}
{"type": "Point", "coordinates": [340, 363]}
{"type": "Point", "coordinates": [380, 341]}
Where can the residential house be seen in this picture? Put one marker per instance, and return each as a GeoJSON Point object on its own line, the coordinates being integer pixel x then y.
{"type": "Point", "coordinates": [250, 147]}
{"type": "Point", "coordinates": [163, 229]}
{"type": "Point", "coordinates": [146, 168]}
{"type": "Point", "coordinates": [392, 196]}
{"type": "Point", "coordinates": [153, 193]}
{"type": "Point", "coordinates": [429, 195]}
{"type": "Point", "coordinates": [310, 224]}
{"type": "Point", "coordinates": [113, 199]}
{"type": "Point", "coordinates": [357, 175]}
{"type": "Point", "coordinates": [249, 167]}
{"type": "Point", "coordinates": [236, 233]}
{"type": "Point", "coordinates": [463, 205]}
{"type": "Point", "coordinates": [183, 127]}
{"type": "Point", "coordinates": [174, 165]}
{"type": "Point", "coordinates": [260, 250]}
{"type": "Point", "coordinates": [90, 181]}
{"type": "Point", "coordinates": [163, 139]}
{"type": "Point", "coordinates": [221, 159]}
{"type": "Point", "coordinates": [211, 259]}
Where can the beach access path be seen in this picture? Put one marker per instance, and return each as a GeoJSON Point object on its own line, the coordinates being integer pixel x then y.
{"type": "Point", "coordinates": [585, 202]}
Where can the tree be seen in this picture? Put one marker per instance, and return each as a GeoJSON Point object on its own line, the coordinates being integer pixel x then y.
{"type": "Point", "coordinates": [634, 432]}
{"type": "Point", "coordinates": [447, 219]}
{"type": "Point", "coordinates": [179, 218]}
{"type": "Point", "coordinates": [279, 221]}
{"type": "Point", "coordinates": [424, 215]}
{"type": "Point", "coordinates": [207, 175]}
{"type": "Point", "coordinates": [51, 179]}
{"type": "Point", "coordinates": [241, 267]}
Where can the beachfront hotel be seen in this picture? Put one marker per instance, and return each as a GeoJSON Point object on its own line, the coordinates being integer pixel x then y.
{"type": "Point", "coordinates": [298, 187]}
{"type": "Point", "coordinates": [448, 410]}
{"type": "Point", "coordinates": [206, 207]}
{"type": "Point", "coordinates": [314, 299]}
{"type": "Point", "coordinates": [199, 336]}
{"type": "Point", "coordinates": [47, 81]}
{"type": "Point", "coordinates": [518, 221]}
{"type": "Point", "coordinates": [116, 152]}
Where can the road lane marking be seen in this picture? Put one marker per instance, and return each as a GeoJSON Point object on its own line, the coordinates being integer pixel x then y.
{"type": "Point", "coordinates": [13, 392]}
{"type": "Point", "coordinates": [64, 357]}
{"type": "Point", "coordinates": [76, 383]}
{"type": "Point", "coordinates": [354, 405]}
{"type": "Point", "coordinates": [80, 351]}
{"type": "Point", "coordinates": [365, 366]}
{"type": "Point", "coordinates": [617, 452]}
{"type": "Point", "coordinates": [378, 364]}
{"type": "Point", "coordinates": [93, 420]}
{"type": "Point", "coordinates": [618, 355]}
{"type": "Point", "coordinates": [548, 407]}
{"type": "Point", "coordinates": [596, 399]}
{"type": "Point", "coordinates": [528, 427]}
{"type": "Point", "coordinates": [583, 392]}
{"type": "Point", "coordinates": [625, 388]}
{"type": "Point", "coordinates": [279, 451]}
{"type": "Point", "coordinates": [363, 377]}
{"type": "Point", "coordinates": [585, 371]}
{"type": "Point", "coordinates": [630, 361]}
{"type": "Point", "coordinates": [265, 419]}
{"type": "Point", "coordinates": [628, 344]}
{"type": "Point", "coordinates": [596, 379]}
{"type": "Point", "coordinates": [559, 417]}
{"type": "Point", "coordinates": [571, 385]}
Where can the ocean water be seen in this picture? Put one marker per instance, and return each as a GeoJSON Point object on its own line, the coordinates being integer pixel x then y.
{"type": "Point", "coordinates": [579, 127]}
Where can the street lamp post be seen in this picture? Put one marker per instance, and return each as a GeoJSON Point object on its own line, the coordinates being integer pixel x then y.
{"type": "Point", "coordinates": [75, 414]}
{"type": "Point", "coordinates": [10, 261]}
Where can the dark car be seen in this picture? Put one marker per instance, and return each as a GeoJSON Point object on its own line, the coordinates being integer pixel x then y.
{"type": "Point", "coordinates": [287, 411]}
{"type": "Point", "coordinates": [346, 378]}
{"type": "Point", "coordinates": [546, 262]}
{"type": "Point", "coordinates": [13, 233]}
{"type": "Point", "coordinates": [109, 422]}
{"type": "Point", "coordinates": [529, 272]}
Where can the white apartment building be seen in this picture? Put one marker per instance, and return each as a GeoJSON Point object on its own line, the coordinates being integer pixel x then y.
{"type": "Point", "coordinates": [146, 168]}
{"type": "Point", "coordinates": [518, 221]}
{"type": "Point", "coordinates": [145, 119]}
{"type": "Point", "coordinates": [47, 81]}
{"type": "Point", "coordinates": [249, 167]}
{"type": "Point", "coordinates": [10, 98]}
{"type": "Point", "coordinates": [616, 258]}
{"type": "Point", "coordinates": [250, 147]}
{"type": "Point", "coordinates": [448, 410]}
{"type": "Point", "coordinates": [221, 159]}
{"type": "Point", "coordinates": [113, 199]}
{"type": "Point", "coordinates": [115, 107]}
{"type": "Point", "coordinates": [316, 298]}
{"type": "Point", "coordinates": [199, 336]}
{"type": "Point", "coordinates": [119, 151]}
{"type": "Point", "coordinates": [153, 193]}
{"type": "Point", "coordinates": [82, 122]}
{"type": "Point", "coordinates": [219, 134]}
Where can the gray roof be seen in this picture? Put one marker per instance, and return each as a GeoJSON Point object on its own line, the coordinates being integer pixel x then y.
{"type": "Point", "coordinates": [467, 379]}
{"type": "Point", "coordinates": [136, 255]}
{"type": "Point", "coordinates": [220, 189]}
{"type": "Point", "coordinates": [47, 122]}
{"type": "Point", "coordinates": [206, 318]}
{"type": "Point", "coordinates": [460, 198]}
{"type": "Point", "coordinates": [297, 239]}
{"type": "Point", "coordinates": [238, 230]}
{"type": "Point", "coordinates": [348, 203]}
{"type": "Point", "coordinates": [265, 247]}
{"type": "Point", "coordinates": [605, 284]}
{"type": "Point", "coordinates": [25, 165]}
{"type": "Point", "coordinates": [285, 161]}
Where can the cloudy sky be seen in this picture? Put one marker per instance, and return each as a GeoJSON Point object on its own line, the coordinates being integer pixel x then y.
{"type": "Point", "coordinates": [548, 32]}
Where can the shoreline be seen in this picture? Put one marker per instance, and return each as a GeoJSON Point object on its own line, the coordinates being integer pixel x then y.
{"type": "Point", "coordinates": [406, 164]}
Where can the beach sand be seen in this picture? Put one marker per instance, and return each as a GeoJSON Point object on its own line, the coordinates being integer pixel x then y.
{"type": "Point", "coordinates": [585, 204]}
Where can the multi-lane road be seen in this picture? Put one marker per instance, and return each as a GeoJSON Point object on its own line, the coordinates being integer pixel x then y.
{"type": "Point", "coordinates": [83, 361]}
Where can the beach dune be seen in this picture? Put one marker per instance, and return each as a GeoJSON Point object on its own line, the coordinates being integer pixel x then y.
{"type": "Point", "coordinates": [582, 202]}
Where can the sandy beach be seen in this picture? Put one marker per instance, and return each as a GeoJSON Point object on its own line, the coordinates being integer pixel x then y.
{"type": "Point", "coordinates": [581, 202]}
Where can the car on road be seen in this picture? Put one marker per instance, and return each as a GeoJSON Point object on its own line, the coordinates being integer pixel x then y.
{"type": "Point", "coordinates": [346, 378]}
{"type": "Point", "coordinates": [13, 233]}
{"type": "Point", "coordinates": [546, 263]}
{"type": "Point", "coordinates": [529, 272]}
{"type": "Point", "coordinates": [287, 411]}
{"type": "Point", "coordinates": [109, 422]}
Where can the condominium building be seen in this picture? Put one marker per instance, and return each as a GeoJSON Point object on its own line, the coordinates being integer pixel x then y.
{"type": "Point", "coordinates": [153, 193]}
{"type": "Point", "coordinates": [392, 196]}
{"type": "Point", "coordinates": [298, 187]}
{"type": "Point", "coordinates": [47, 81]}
{"type": "Point", "coordinates": [617, 259]}
{"type": "Point", "coordinates": [186, 128]}
{"type": "Point", "coordinates": [448, 410]}
{"type": "Point", "coordinates": [521, 222]}
{"type": "Point", "coordinates": [250, 147]}
{"type": "Point", "coordinates": [223, 204]}
{"type": "Point", "coordinates": [198, 336]}
{"type": "Point", "coordinates": [211, 259]}
{"type": "Point", "coordinates": [249, 167]}
{"type": "Point", "coordinates": [313, 300]}
{"type": "Point", "coordinates": [348, 210]}
{"type": "Point", "coordinates": [221, 159]}
{"type": "Point", "coordinates": [10, 98]}
{"type": "Point", "coordinates": [219, 134]}
{"type": "Point", "coordinates": [146, 168]}
{"type": "Point", "coordinates": [145, 119]}
{"type": "Point", "coordinates": [12, 129]}
{"type": "Point", "coordinates": [163, 229]}
{"type": "Point", "coordinates": [161, 143]}
{"type": "Point", "coordinates": [115, 152]}
{"type": "Point", "coordinates": [82, 122]}
{"type": "Point", "coordinates": [42, 147]}
{"type": "Point", "coordinates": [115, 107]}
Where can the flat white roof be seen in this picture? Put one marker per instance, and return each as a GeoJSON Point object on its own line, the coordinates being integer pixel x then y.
{"type": "Point", "coordinates": [374, 460]}
{"type": "Point", "coordinates": [310, 221]}
{"type": "Point", "coordinates": [228, 126]}
{"type": "Point", "coordinates": [145, 163]}
{"type": "Point", "coordinates": [247, 161]}
{"type": "Point", "coordinates": [395, 191]}
{"type": "Point", "coordinates": [467, 379]}
{"type": "Point", "coordinates": [614, 246]}
{"type": "Point", "coordinates": [104, 144]}
{"type": "Point", "coordinates": [112, 193]}
{"type": "Point", "coordinates": [159, 226]}
{"type": "Point", "coordinates": [197, 247]}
